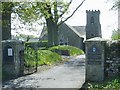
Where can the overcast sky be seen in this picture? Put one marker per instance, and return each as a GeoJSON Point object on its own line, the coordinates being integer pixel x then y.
{"type": "Point", "coordinates": [108, 18]}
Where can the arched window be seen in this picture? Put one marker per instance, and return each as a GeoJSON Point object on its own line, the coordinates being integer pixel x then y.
{"type": "Point", "coordinates": [92, 20]}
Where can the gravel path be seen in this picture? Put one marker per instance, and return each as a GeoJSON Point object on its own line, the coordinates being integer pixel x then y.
{"type": "Point", "coordinates": [71, 74]}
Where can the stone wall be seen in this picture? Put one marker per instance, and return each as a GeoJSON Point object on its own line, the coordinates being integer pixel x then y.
{"type": "Point", "coordinates": [112, 66]}
{"type": "Point", "coordinates": [69, 36]}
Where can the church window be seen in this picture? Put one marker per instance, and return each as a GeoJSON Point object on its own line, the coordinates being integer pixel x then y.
{"type": "Point", "coordinates": [92, 35]}
{"type": "Point", "coordinates": [92, 20]}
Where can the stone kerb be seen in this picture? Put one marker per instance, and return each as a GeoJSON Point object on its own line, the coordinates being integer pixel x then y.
{"type": "Point", "coordinates": [95, 58]}
{"type": "Point", "coordinates": [12, 63]}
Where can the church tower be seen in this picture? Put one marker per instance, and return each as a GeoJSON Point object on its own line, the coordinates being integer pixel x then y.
{"type": "Point", "coordinates": [93, 26]}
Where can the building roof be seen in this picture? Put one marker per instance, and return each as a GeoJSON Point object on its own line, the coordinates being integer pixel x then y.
{"type": "Point", "coordinates": [43, 33]}
{"type": "Point", "coordinates": [76, 31]}
{"type": "Point", "coordinates": [79, 30]}
{"type": "Point", "coordinates": [33, 40]}
{"type": "Point", "coordinates": [96, 39]}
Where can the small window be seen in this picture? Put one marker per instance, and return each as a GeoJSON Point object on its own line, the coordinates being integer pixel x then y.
{"type": "Point", "coordinates": [92, 20]}
{"type": "Point", "coordinates": [92, 34]}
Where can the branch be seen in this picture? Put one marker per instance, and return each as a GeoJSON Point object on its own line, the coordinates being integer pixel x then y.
{"type": "Point", "coordinates": [71, 14]}
{"type": "Point", "coordinates": [66, 8]}
{"type": "Point", "coordinates": [55, 12]}
{"type": "Point", "coordinates": [116, 5]}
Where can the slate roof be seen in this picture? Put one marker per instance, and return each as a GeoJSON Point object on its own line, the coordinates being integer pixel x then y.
{"type": "Point", "coordinates": [43, 33]}
{"type": "Point", "coordinates": [33, 40]}
{"type": "Point", "coordinates": [74, 30]}
{"type": "Point", "coordinates": [80, 30]}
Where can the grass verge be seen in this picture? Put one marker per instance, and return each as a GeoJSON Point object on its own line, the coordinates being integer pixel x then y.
{"type": "Point", "coordinates": [109, 83]}
{"type": "Point", "coordinates": [72, 50]}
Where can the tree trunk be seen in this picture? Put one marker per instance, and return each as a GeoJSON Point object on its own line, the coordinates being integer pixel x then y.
{"type": "Point", "coordinates": [52, 32]}
{"type": "Point", "coordinates": [55, 33]}
{"type": "Point", "coordinates": [52, 28]}
{"type": "Point", "coordinates": [6, 23]}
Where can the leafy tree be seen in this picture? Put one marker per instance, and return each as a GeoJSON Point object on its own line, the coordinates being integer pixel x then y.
{"type": "Point", "coordinates": [52, 11]}
{"type": "Point", "coordinates": [24, 37]}
{"type": "Point", "coordinates": [7, 9]}
{"type": "Point", "coordinates": [116, 34]}
{"type": "Point", "coordinates": [116, 4]}
{"type": "Point", "coordinates": [6, 20]}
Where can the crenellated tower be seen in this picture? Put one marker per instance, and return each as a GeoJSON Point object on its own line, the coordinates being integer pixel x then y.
{"type": "Point", "coordinates": [93, 26]}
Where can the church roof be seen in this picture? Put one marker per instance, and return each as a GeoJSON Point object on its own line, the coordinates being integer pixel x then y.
{"type": "Point", "coordinates": [43, 33]}
{"type": "Point", "coordinates": [76, 29]}
{"type": "Point", "coordinates": [79, 30]}
{"type": "Point", "coordinates": [33, 40]}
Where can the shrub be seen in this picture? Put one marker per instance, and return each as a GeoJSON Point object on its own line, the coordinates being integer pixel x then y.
{"type": "Point", "coordinates": [115, 34]}
{"type": "Point", "coordinates": [44, 57]}
{"type": "Point", "coordinates": [39, 44]}
{"type": "Point", "coordinates": [72, 50]}
{"type": "Point", "coordinates": [47, 57]}
{"type": "Point", "coordinates": [110, 84]}
{"type": "Point", "coordinates": [43, 43]}
{"type": "Point", "coordinates": [30, 57]}
{"type": "Point", "coordinates": [113, 49]}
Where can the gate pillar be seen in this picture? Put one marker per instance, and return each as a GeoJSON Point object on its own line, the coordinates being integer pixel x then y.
{"type": "Point", "coordinates": [11, 60]}
{"type": "Point", "coordinates": [95, 59]}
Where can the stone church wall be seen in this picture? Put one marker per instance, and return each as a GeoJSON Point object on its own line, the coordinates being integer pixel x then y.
{"type": "Point", "coordinates": [69, 37]}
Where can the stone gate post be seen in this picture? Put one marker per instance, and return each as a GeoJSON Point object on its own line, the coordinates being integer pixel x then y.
{"type": "Point", "coordinates": [12, 62]}
{"type": "Point", "coordinates": [95, 59]}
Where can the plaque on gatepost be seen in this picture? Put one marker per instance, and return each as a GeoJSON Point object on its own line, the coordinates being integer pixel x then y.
{"type": "Point", "coordinates": [8, 55]}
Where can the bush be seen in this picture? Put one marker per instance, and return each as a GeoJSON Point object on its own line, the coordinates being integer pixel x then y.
{"type": "Point", "coordinates": [43, 43]}
{"type": "Point", "coordinates": [72, 50]}
{"type": "Point", "coordinates": [110, 84]}
{"type": "Point", "coordinates": [115, 34]}
{"type": "Point", "coordinates": [44, 57]}
{"type": "Point", "coordinates": [30, 57]}
{"type": "Point", "coordinates": [39, 44]}
{"type": "Point", "coordinates": [47, 57]}
{"type": "Point", "coordinates": [113, 49]}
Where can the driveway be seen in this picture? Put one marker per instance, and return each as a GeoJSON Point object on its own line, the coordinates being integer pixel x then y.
{"type": "Point", "coordinates": [70, 74]}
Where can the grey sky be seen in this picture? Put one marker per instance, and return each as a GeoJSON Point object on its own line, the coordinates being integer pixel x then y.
{"type": "Point", "coordinates": [108, 18]}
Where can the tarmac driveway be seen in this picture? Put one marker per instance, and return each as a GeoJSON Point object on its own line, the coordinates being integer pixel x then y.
{"type": "Point", "coordinates": [71, 74]}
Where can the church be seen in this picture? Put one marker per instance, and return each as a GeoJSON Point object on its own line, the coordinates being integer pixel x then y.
{"type": "Point", "coordinates": [76, 35]}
